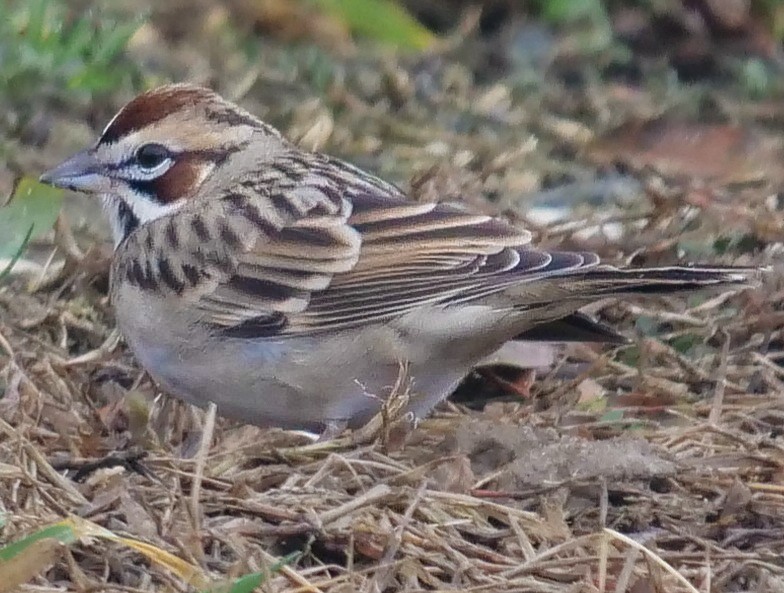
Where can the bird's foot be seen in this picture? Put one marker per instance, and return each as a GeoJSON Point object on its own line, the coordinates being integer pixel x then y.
{"type": "Point", "coordinates": [332, 430]}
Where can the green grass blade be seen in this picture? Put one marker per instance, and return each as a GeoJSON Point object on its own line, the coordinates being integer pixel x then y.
{"type": "Point", "coordinates": [115, 41]}
{"type": "Point", "coordinates": [32, 204]}
{"type": "Point", "coordinates": [62, 533]}
{"type": "Point", "coordinates": [35, 29]}
{"type": "Point", "coordinates": [249, 582]}
{"type": "Point", "coordinates": [383, 20]}
{"type": "Point", "coordinates": [15, 258]}
{"type": "Point", "coordinates": [76, 40]}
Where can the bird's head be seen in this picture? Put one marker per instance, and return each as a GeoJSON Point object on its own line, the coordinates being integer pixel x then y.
{"type": "Point", "coordinates": [161, 149]}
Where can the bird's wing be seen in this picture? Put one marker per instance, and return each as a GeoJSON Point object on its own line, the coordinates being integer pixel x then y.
{"type": "Point", "coordinates": [415, 254]}
{"type": "Point", "coordinates": [328, 249]}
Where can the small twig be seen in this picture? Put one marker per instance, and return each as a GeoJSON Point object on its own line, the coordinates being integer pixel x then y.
{"type": "Point", "coordinates": [629, 563]}
{"type": "Point", "coordinates": [372, 496]}
{"type": "Point", "coordinates": [6, 345]}
{"type": "Point", "coordinates": [653, 557]}
{"type": "Point", "coordinates": [18, 255]}
{"type": "Point", "coordinates": [721, 382]}
{"type": "Point", "coordinates": [65, 240]}
{"type": "Point", "coordinates": [554, 551]}
{"type": "Point", "coordinates": [39, 281]}
{"type": "Point", "coordinates": [201, 460]}
{"type": "Point", "coordinates": [391, 410]}
{"type": "Point", "coordinates": [43, 464]}
{"type": "Point", "coordinates": [292, 575]}
{"type": "Point", "coordinates": [604, 553]}
{"type": "Point", "coordinates": [667, 316]}
{"type": "Point", "coordinates": [380, 580]}
{"type": "Point", "coordinates": [97, 354]}
{"type": "Point", "coordinates": [327, 466]}
{"type": "Point", "coordinates": [84, 467]}
{"type": "Point", "coordinates": [715, 302]}
{"type": "Point", "coordinates": [604, 502]}
{"type": "Point", "coordinates": [661, 348]}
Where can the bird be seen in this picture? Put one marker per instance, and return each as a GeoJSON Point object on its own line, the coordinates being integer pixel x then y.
{"type": "Point", "coordinates": [288, 287]}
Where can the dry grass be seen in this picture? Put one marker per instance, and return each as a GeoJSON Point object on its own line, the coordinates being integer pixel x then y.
{"type": "Point", "coordinates": [653, 468]}
{"type": "Point", "coordinates": [681, 495]}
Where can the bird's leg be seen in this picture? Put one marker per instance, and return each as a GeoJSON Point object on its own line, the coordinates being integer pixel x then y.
{"type": "Point", "coordinates": [332, 430]}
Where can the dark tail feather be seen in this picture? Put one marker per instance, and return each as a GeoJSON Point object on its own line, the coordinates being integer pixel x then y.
{"type": "Point", "coordinates": [600, 282]}
{"type": "Point", "coordinates": [586, 285]}
{"type": "Point", "coordinates": [577, 327]}
{"type": "Point", "coordinates": [558, 294]}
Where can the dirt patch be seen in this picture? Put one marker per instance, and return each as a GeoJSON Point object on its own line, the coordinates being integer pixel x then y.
{"type": "Point", "coordinates": [534, 458]}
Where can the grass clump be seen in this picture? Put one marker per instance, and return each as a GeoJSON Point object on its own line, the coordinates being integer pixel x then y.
{"type": "Point", "coordinates": [50, 52]}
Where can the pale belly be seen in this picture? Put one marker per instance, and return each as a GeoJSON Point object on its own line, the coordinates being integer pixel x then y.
{"type": "Point", "coordinates": [306, 382]}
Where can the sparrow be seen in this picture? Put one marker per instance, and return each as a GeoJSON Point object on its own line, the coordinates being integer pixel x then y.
{"type": "Point", "coordinates": [288, 287]}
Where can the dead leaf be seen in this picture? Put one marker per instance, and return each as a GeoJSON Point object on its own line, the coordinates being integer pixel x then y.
{"type": "Point", "coordinates": [718, 153]}
{"type": "Point", "coordinates": [292, 21]}
{"type": "Point", "coordinates": [736, 502]}
{"type": "Point", "coordinates": [642, 586]}
{"type": "Point", "coordinates": [32, 561]}
{"type": "Point", "coordinates": [137, 517]}
{"type": "Point", "coordinates": [455, 475]}
{"type": "Point", "coordinates": [589, 391]}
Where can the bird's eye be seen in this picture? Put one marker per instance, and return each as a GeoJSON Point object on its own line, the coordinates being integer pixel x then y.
{"type": "Point", "coordinates": [150, 156]}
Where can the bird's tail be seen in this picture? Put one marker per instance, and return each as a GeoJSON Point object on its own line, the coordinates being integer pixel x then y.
{"type": "Point", "coordinates": [605, 281]}
{"type": "Point", "coordinates": [554, 300]}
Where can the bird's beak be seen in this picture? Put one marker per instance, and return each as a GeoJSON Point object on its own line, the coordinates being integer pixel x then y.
{"type": "Point", "coordinates": [81, 172]}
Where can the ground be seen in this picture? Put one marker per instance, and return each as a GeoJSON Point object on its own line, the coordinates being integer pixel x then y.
{"type": "Point", "coordinates": [651, 467]}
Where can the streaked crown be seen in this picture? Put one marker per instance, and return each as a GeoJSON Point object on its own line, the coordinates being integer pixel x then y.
{"type": "Point", "coordinates": [161, 149]}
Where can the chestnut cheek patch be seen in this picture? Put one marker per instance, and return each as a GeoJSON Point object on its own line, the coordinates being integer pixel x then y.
{"type": "Point", "coordinates": [180, 181]}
